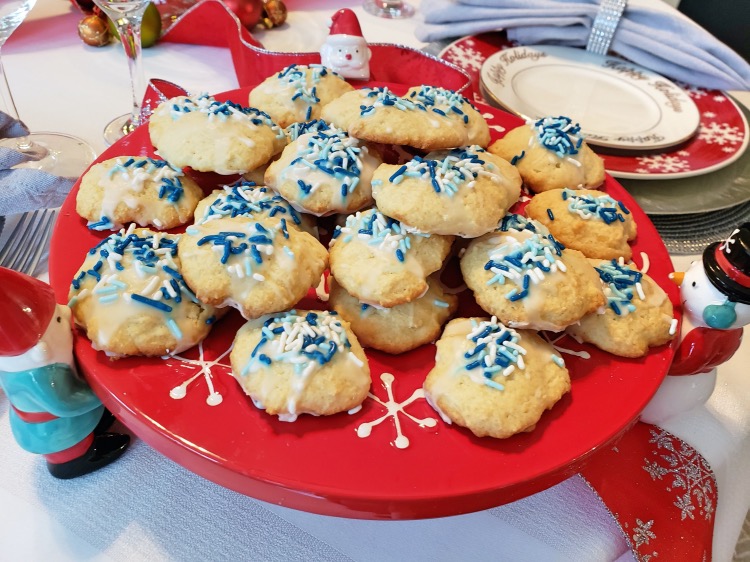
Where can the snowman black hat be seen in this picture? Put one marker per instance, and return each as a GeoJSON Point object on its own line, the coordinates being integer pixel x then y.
{"type": "Point", "coordinates": [727, 265]}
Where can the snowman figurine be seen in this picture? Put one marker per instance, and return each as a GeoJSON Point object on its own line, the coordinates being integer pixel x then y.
{"type": "Point", "coordinates": [715, 295]}
{"type": "Point", "coordinates": [53, 412]}
{"type": "Point", "coordinates": [345, 51]}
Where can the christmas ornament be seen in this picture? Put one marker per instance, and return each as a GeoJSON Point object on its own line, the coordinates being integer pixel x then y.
{"type": "Point", "coordinates": [53, 412]}
{"type": "Point", "coordinates": [86, 6]}
{"type": "Point", "coordinates": [94, 30]}
{"type": "Point", "coordinates": [150, 27]}
{"type": "Point", "coordinates": [274, 13]}
{"type": "Point", "coordinates": [249, 12]}
{"type": "Point", "coordinates": [346, 51]}
{"type": "Point", "coordinates": [715, 296]}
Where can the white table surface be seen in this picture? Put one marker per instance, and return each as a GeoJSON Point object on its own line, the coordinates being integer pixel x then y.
{"type": "Point", "coordinates": [147, 507]}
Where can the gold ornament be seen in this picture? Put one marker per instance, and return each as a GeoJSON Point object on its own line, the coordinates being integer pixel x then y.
{"type": "Point", "coordinates": [274, 13]}
{"type": "Point", "coordinates": [94, 31]}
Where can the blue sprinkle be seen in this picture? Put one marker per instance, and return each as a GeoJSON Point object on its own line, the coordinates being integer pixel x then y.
{"type": "Point", "coordinates": [151, 302]}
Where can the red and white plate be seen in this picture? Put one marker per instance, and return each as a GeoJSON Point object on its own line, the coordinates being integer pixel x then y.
{"type": "Point", "coordinates": [190, 408]}
{"type": "Point", "coordinates": [721, 139]}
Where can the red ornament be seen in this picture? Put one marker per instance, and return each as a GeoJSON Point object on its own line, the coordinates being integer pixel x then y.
{"type": "Point", "coordinates": [86, 6]}
{"type": "Point", "coordinates": [247, 11]}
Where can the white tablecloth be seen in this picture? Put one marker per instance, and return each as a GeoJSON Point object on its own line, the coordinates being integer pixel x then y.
{"type": "Point", "coordinates": [147, 507]}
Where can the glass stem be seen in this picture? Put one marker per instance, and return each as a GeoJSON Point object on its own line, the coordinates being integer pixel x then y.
{"type": "Point", "coordinates": [23, 143]}
{"type": "Point", "coordinates": [129, 28]}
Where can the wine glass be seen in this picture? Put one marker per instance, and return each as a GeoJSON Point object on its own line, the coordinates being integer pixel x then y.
{"type": "Point", "coordinates": [127, 15]}
{"type": "Point", "coordinates": [56, 153]}
{"type": "Point", "coordinates": [394, 9]}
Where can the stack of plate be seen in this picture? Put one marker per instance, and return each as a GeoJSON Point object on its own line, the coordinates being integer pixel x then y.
{"type": "Point", "coordinates": [689, 143]}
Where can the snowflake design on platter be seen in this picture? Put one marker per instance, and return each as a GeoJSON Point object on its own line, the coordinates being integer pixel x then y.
{"type": "Point", "coordinates": [393, 409]}
{"type": "Point", "coordinates": [490, 117]}
{"type": "Point", "coordinates": [720, 99]}
{"type": "Point", "coordinates": [695, 92]}
{"type": "Point", "coordinates": [709, 114]}
{"type": "Point", "coordinates": [662, 163]}
{"type": "Point", "coordinates": [642, 534]}
{"type": "Point", "coordinates": [721, 134]}
{"type": "Point", "coordinates": [691, 476]}
{"type": "Point", "coordinates": [466, 56]}
{"type": "Point", "coordinates": [204, 368]}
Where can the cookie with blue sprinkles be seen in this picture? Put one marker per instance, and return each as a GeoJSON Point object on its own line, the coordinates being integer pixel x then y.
{"type": "Point", "coordinates": [590, 221]}
{"type": "Point", "coordinates": [461, 192]}
{"type": "Point", "coordinates": [456, 108]}
{"type": "Point", "coordinates": [301, 362]}
{"type": "Point", "coordinates": [146, 191]}
{"type": "Point", "coordinates": [494, 380]}
{"type": "Point", "coordinates": [325, 172]}
{"type": "Point", "coordinates": [528, 280]}
{"type": "Point", "coordinates": [380, 262]}
{"type": "Point", "coordinates": [131, 299]}
{"type": "Point", "coordinates": [550, 153]}
{"type": "Point", "coordinates": [379, 115]}
{"type": "Point", "coordinates": [209, 135]}
{"type": "Point", "coordinates": [638, 314]}
{"type": "Point", "coordinates": [246, 198]}
{"type": "Point", "coordinates": [258, 267]}
{"type": "Point", "coordinates": [298, 93]}
{"type": "Point", "coordinates": [401, 328]}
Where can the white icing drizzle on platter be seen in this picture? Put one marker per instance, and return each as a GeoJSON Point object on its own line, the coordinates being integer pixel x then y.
{"type": "Point", "coordinates": [553, 342]}
{"type": "Point", "coordinates": [393, 409]}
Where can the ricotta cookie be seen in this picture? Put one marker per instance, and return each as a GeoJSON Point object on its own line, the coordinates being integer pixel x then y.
{"type": "Point", "coordinates": [462, 192]}
{"type": "Point", "coordinates": [300, 362]}
{"type": "Point", "coordinates": [456, 108]}
{"type": "Point", "coordinates": [245, 198]}
{"type": "Point", "coordinates": [493, 380]}
{"type": "Point", "coordinates": [213, 136]}
{"type": "Point", "coordinates": [325, 172]}
{"type": "Point", "coordinates": [298, 93]}
{"type": "Point", "coordinates": [256, 267]}
{"type": "Point", "coordinates": [136, 189]}
{"type": "Point", "coordinates": [638, 314]}
{"type": "Point", "coordinates": [398, 329]}
{"type": "Point", "coordinates": [528, 280]}
{"type": "Point", "coordinates": [381, 263]}
{"type": "Point", "coordinates": [130, 298]}
{"type": "Point", "coordinates": [378, 115]}
{"type": "Point", "coordinates": [591, 222]}
{"type": "Point", "coordinates": [551, 154]}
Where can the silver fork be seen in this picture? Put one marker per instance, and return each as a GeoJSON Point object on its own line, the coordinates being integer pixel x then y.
{"type": "Point", "coordinates": [26, 244]}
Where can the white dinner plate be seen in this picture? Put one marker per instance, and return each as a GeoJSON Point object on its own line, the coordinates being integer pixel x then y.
{"type": "Point", "coordinates": [618, 104]}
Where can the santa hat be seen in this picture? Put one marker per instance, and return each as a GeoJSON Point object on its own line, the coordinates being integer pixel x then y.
{"type": "Point", "coordinates": [727, 265]}
{"type": "Point", "coordinates": [26, 309]}
{"type": "Point", "coordinates": [345, 23]}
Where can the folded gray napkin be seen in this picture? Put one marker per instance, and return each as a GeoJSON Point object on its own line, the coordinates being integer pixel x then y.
{"type": "Point", "coordinates": [651, 33]}
{"type": "Point", "coordinates": [26, 189]}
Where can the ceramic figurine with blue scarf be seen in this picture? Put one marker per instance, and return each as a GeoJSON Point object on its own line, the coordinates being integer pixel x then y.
{"type": "Point", "coordinates": [715, 295]}
{"type": "Point", "coordinates": [53, 412]}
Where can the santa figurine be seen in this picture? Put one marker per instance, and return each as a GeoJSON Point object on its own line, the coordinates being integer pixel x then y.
{"type": "Point", "coordinates": [345, 51]}
{"type": "Point", "coordinates": [715, 295]}
{"type": "Point", "coordinates": [53, 411]}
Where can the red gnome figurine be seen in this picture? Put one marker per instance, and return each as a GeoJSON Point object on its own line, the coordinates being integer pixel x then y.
{"type": "Point", "coordinates": [346, 51]}
{"type": "Point", "coordinates": [53, 411]}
